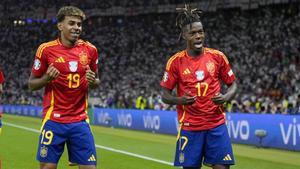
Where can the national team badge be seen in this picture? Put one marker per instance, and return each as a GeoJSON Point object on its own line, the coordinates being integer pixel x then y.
{"type": "Point", "coordinates": [44, 151]}
{"type": "Point", "coordinates": [83, 58]}
{"type": "Point", "coordinates": [199, 75]}
{"type": "Point", "coordinates": [37, 64]}
{"type": "Point", "coordinates": [73, 65]}
{"type": "Point", "coordinates": [210, 66]}
{"type": "Point", "coordinates": [165, 77]}
{"type": "Point", "coordinates": [181, 157]}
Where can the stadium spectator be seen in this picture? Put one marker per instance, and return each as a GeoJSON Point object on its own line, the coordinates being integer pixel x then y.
{"type": "Point", "coordinates": [261, 44]}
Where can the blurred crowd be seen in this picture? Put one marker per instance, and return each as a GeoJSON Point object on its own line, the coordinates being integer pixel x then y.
{"type": "Point", "coordinates": [262, 46]}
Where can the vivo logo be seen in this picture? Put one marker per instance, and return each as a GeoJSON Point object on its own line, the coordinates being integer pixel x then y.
{"type": "Point", "coordinates": [124, 120]}
{"type": "Point", "coordinates": [290, 132]}
{"type": "Point", "coordinates": [240, 128]}
{"type": "Point", "coordinates": [103, 117]}
{"type": "Point", "coordinates": [151, 122]}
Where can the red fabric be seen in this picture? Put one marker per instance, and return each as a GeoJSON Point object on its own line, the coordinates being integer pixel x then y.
{"type": "Point", "coordinates": [199, 76]}
{"type": "Point", "coordinates": [2, 79]}
{"type": "Point", "coordinates": [69, 91]}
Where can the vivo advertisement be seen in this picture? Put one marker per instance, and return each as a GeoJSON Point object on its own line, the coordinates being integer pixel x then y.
{"type": "Point", "coordinates": [278, 131]}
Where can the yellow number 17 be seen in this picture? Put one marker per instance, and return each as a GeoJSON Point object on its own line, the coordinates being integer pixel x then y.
{"type": "Point", "coordinates": [198, 86]}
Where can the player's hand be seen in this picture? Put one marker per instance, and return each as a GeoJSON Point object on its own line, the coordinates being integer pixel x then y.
{"type": "Point", "coordinates": [52, 73]}
{"type": "Point", "coordinates": [187, 99]}
{"type": "Point", "coordinates": [219, 98]}
{"type": "Point", "coordinates": [90, 75]}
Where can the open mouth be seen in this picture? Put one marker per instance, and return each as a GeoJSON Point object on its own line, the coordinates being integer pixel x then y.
{"type": "Point", "coordinates": [76, 34]}
{"type": "Point", "coordinates": [198, 44]}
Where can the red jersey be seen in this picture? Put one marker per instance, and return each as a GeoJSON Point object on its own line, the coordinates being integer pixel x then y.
{"type": "Point", "coordinates": [65, 98]}
{"type": "Point", "coordinates": [198, 76]}
{"type": "Point", "coordinates": [2, 80]}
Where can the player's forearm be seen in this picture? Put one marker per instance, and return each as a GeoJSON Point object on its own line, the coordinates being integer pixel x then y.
{"type": "Point", "coordinates": [37, 83]}
{"type": "Point", "coordinates": [231, 91]}
{"type": "Point", "coordinates": [168, 98]}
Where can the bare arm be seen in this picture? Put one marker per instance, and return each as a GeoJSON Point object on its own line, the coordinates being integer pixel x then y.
{"type": "Point", "coordinates": [1, 89]}
{"type": "Point", "coordinates": [222, 98]}
{"type": "Point", "coordinates": [36, 83]}
{"type": "Point", "coordinates": [168, 98]}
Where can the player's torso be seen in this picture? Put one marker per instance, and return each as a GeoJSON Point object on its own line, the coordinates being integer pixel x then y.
{"type": "Point", "coordinates": [69, 90]}
{"type": "Point", "coordinates": [199, 77]}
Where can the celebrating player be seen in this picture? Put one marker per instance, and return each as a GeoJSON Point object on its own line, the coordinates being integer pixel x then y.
{"type": "Point", "coordinates": [196, 72]}
{"type": "Point", "coordinates": [67, 68]}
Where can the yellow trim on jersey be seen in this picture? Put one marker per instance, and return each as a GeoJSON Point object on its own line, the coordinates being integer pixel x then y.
{"type": "Point", "coordinates": [50, 110]}
{"type": "Point", "coordinates": [180, 121]}
{"type": "Point", "coordinates": [90, 44]}
{"type": "Point", "coordinates": [41, 48]}
{"type": "Point", "coordinates": [86, 109]}
{"type": "Point", "coordinates": [170, 61]}
{"type": "Point", "coordinates": [219, 53]}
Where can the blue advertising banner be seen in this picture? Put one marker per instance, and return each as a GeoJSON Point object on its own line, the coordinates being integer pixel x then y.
{"type": "Point", "coordinates": [281, 131]}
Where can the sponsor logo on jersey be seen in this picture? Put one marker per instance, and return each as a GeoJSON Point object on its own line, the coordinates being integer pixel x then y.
{"type": "Point", "coordinates": [230, 73]}
{"type": "Point", "coordinates": [60, 60]}
{"type": "Point", "coordinates": [186, 71]}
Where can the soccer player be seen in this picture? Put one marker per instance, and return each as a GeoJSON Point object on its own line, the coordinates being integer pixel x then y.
{"type": "Point", "coordinates": [196, 72]}
{"type": "Point", "coordinates": [67, 68]}
{"type": "Point", "coordinates": [1, 91]}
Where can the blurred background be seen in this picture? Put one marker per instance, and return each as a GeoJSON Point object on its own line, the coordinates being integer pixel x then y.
{"type": "Point", "coordinates": [135, 38]}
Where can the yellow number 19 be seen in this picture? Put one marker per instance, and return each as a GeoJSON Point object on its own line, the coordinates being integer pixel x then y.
{"type": "Point", "coordinates": [74, 80]}
{"type": "Point", "coordinates": [48, 135]}
{"type": "Point", "coordinates": [198, 86]}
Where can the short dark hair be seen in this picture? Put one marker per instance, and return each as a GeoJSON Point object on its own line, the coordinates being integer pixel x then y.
{"type": "Point", "coordinates": [187, 15]}
{"type": "Point", "coordinates": [69, 11]}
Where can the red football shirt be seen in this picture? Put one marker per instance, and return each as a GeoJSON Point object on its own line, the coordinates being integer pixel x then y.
{"type": "Point", "coordinates": [65, 98]}
{"type": "Point", "coordinates": [199, 76]}
{"type": "Point", "coordinates": [1, 77]}
{"type": "Point", "coordinates": [2, 80]}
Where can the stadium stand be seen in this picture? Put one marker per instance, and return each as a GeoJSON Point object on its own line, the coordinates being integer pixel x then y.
{"type": "Point", "coordinates": [262, 45]}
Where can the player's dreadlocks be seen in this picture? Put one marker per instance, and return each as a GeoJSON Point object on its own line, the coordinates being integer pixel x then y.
{"type": "Point", "coordinates": [187, 15]}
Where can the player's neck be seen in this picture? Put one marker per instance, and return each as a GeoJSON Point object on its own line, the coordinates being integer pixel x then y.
{"type": "Point", "coordinates": [194, 53]}
{"type": "Point", "coordinates": [66, 42]}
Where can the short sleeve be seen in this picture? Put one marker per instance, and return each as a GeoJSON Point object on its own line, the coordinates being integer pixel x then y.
{"type": "Point", "coordinates": [170, 77]}
{"type": "Point", "coordinates": [226, 73]}
{"type": "Point", "coordinates": [40, 64]}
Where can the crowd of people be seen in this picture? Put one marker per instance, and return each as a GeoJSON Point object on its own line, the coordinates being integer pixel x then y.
{"type": "Point", "coordinates": [262, 46]}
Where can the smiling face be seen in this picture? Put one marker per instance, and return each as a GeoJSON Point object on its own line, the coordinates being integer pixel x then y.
{"type": "Point", "coordinates": [70, 29]}
{"type": "Point", "coordinates": [194, 35]}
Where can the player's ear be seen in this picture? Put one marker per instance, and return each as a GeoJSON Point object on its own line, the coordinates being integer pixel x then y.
{"type": "Point", "coordinates": [59, 26]}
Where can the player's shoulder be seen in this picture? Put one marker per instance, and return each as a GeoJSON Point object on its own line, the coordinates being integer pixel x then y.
{"type": "Point", "coordinates": [87, 44]}
{"type": "Point", "coordinates": [174, 58]}
{"type": "Point", "coordinates": [216, 53]}
{"type": "Point", "coordinates": [44, 46]}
